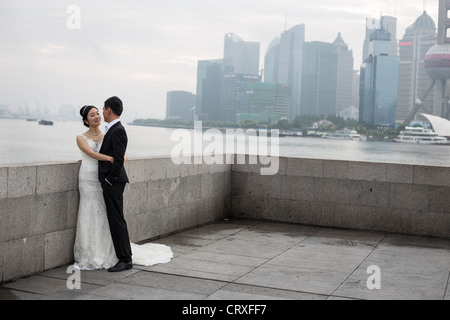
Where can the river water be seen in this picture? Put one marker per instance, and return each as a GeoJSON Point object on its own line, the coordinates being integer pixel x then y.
{"type": "Point", "coordinates": [28, 142]}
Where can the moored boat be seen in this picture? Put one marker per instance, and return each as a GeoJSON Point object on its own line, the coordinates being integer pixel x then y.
{"type": "Point", "coordinates": [420, 135]}
{"type": "Point", "coordinates": [45, 123]}
{"type": "Point", "coordinates": [344, 134]}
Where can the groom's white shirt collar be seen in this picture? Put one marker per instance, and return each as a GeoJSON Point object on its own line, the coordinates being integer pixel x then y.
{"type": "Point", "coordinates": [109, 125]}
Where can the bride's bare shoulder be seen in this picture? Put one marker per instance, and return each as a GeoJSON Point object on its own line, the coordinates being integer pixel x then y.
{"type": "Point", "coordinates": [81, 137]}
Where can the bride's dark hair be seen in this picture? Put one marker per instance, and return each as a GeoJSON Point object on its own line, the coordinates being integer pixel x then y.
{"type": "Point", "coordinates": [84, 113]}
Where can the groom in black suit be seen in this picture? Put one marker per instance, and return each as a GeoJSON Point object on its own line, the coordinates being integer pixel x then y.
{"type": "Point", "coordinates": [113, 179]}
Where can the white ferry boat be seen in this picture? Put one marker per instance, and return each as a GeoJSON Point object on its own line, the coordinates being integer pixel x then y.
{"type": "Point", "coordinates": [420, 135]}
{"type": "Point", "coordinates": [345, 134]}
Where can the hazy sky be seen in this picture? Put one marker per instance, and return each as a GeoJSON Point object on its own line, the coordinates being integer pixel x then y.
{"type": "Point", "coordinates": [140, 49]}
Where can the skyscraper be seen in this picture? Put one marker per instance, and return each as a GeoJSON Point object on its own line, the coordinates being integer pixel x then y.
{"type": "Point", "coordinates": [387, 23]}
{"type": "Point", "coordinates": [344, 74]}
{"type": "Point", "coordinates": [413, 79]}
{"type": "Point", "coordinates": [234, 95]}
{"type": "Point", "coordinates": [240, 56]}
{"type": "Point", "coordinates": [319, 81]}
{"type": "Point", "coordinates": [325, 74]}
{"type": "Point", "coordinates": [272, 61]}
{"type": "Point", "coordinates": [180, 104]}
{"type": "Point", "coordinates": [211, 92]}
{"type": "Point", "coordinates": [241, 67]}
{"type": "Point", "coordinates": [284, 63]}
{"type": "Point", "coordinates": [209, 80]}
{"type": "Point", "coordinates": [379, 82]}
{"type": "Point", "coordinates": [268, 101]}
{"type": "Point", "coordinates": [355, 90]}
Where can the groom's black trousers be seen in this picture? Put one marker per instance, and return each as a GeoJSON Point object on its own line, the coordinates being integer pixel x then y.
{"type": "Point", "coordinates": [119, 231]}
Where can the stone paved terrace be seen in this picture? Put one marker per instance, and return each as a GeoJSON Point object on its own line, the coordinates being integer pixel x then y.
{"type": "Point", "coordinates": [259, 260]}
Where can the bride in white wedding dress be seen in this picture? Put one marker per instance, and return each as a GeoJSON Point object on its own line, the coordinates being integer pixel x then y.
{"type": "Point", "coordinates": [93, 247]}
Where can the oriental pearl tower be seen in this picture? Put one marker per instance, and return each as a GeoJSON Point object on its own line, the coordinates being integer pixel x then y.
{"type": "Point", "coordinates": [437, 65]}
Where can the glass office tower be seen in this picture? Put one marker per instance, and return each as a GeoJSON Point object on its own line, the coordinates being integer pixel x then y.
{"type": "Point", "coordinates": [386, 23]}
{"type": "Point", "coordinates": [284, 64]}
{"type": "Point", "coordinates": [344, 74]}
{"type": "Point", "coordinates": [209, 81]}
{"type": "Point", "coordinates": [319, 82]}
{"type": "Point", "coordinates": [180, 105]}
{"type": "Point", "coordinates": [379, 83]}
{"type": "Point", "coordinates": [240, 56]}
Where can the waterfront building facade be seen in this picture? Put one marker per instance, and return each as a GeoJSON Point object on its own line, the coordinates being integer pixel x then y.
{"type": "Point", "coordinates": [284, 64]}
{"type": "Point", "coordinates": [413, 79]}
{"type": "Point", "coordinates": [212, 89]}
{"type": "Point", "coordinates": [386, 23]}
{"type": "Point", "coordinates": [268, 102]}
{"type": "Point", "coordinates": [240, 57]}
{"type": "Point", "coordinates": [355, 89]}
{"type": "Point", "coordinates": [344, 79]}
{"type": "Point", "coordinates": [180, 105]}
{"type": "Point", "coordinates": [234, 95]}
{"type": "Point", "coordinates": [319, 80]}
{"type": "Point", "coordinates": [209, 79]}
{"type": "Point", "coordinates": [272, 61]}
{"type": "Point", "coordinates": [379, 82]}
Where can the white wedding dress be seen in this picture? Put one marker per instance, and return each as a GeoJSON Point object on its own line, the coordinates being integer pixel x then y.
{"type": "Point", "coordinates": [93, 247]}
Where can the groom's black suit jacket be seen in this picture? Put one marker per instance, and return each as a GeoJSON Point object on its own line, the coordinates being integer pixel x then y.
{"type": "Point", "coordinates": [114, 145]}
{"type": "Point", "coordinates": [113, 179]}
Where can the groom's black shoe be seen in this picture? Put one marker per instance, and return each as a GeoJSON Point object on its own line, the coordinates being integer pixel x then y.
{"type": "Point", "coordinates": [121, 266]}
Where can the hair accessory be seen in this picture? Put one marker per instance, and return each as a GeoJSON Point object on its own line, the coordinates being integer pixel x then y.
{"type": "Point", "coordinates": [84, 109]}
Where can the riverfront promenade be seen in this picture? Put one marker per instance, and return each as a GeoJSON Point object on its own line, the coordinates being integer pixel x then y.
{"type": "Point", "coordinates": [259, 260]}
{"type": "Point", "coordinates": [311, 231]}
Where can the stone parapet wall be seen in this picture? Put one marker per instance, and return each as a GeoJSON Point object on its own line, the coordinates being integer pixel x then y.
{"type": "Point", "coordinates": [39, 207]}
{"type": "Point", "coordinates": [398, 198]}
